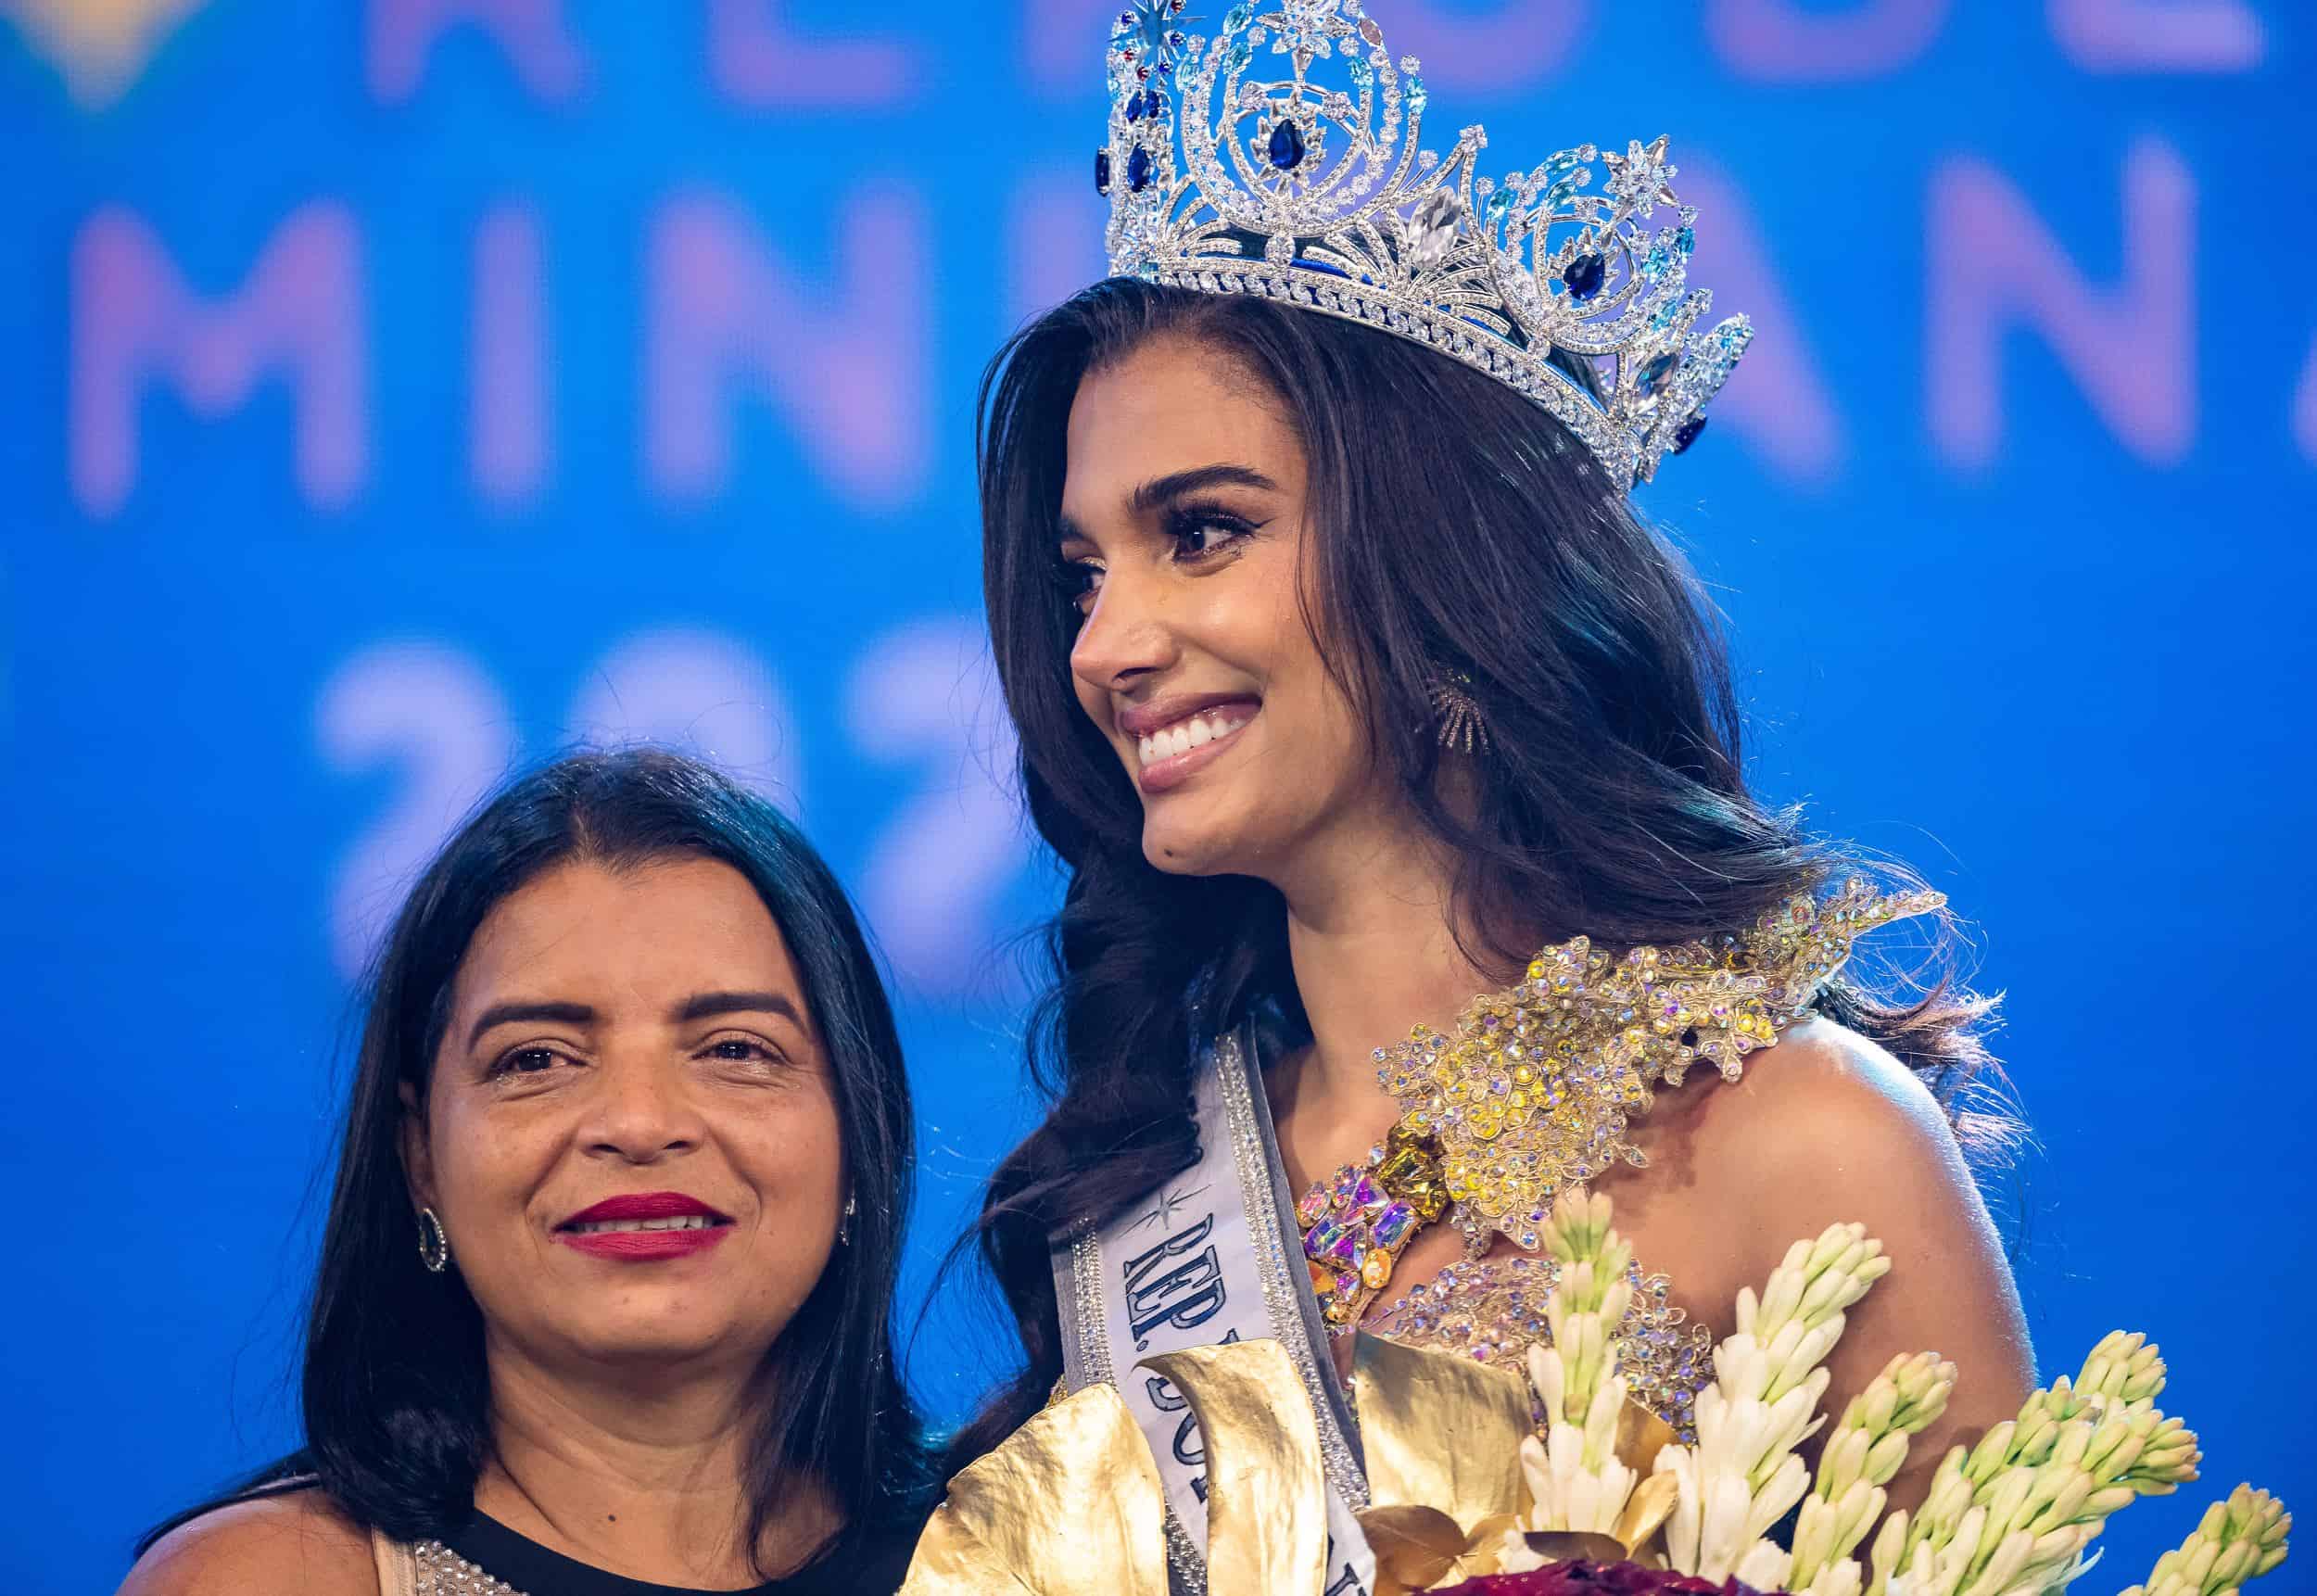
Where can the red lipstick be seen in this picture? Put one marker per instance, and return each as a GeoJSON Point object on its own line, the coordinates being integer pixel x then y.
{"type": "Point", "coordinates": [614, 1228]}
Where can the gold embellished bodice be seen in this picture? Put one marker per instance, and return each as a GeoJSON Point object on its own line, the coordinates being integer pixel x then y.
{"type": "Point", "coordinates": [1536, 1093]}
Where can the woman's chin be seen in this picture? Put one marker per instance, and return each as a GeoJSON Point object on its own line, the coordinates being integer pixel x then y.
{"type": "Point", "coordinates": [1178, 849]}
{"type": "Point", "coordinates": [1183, 843]}
{"type": "Point", "coordinates": [648, 1346]}
{"type": "Point", "coordinates": [645, 1333]}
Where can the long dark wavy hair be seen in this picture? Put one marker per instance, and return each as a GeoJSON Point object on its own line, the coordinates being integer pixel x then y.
{"type": "Point", "coordinates": [1456, 527]}
{"type": "Point", "coordinates": [395, 1393]}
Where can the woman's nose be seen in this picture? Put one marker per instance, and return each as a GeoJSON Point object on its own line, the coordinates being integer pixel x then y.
{"type": "Point", "coordinates": [1125, 635]}
{"type": "Point", "coordinates": [643, 1112]}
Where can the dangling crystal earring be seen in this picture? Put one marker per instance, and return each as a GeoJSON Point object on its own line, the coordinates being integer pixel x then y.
{"type": "Point", "coordinates": [434, 1245]}
{"type": "Point", "coordinates": [844, 1228]}
{"type": "Point", "coordinates": [1458, 714]}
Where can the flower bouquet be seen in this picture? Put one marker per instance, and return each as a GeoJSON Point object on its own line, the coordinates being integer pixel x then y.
{"type": "Point", "coordinates": [2010, 1517]}
{"type": "Point", "coordinates": [1482, 1483]}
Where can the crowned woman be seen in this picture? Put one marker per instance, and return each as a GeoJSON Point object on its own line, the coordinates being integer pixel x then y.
{"type": "Point", "coordinates": [1413, 876]}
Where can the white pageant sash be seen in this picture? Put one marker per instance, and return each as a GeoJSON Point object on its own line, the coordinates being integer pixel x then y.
{"type": "Point", "coordinates": [1212, 1257]}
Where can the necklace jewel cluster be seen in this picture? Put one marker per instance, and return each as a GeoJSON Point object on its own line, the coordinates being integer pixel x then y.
{"type": "Point", "coordinates": [1356, 1225]}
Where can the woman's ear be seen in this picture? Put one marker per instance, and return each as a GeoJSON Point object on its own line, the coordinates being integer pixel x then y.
{"type": "Point", "coordinates": [418, 1161]}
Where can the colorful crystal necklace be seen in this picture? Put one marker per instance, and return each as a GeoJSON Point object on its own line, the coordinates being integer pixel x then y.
{"type": "Point", "coordinates": [1357, 1224]}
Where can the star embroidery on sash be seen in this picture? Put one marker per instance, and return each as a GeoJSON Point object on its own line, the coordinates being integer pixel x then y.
{"type": "Point", "coordinates": [1166, 1206]}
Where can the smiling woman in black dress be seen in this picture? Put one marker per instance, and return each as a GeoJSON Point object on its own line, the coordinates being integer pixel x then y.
{"type": "Point", "coordinates": [603, 1301]}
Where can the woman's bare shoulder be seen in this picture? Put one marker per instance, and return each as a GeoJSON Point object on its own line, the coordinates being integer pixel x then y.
{"type": "Point", "coordinates": [1827, 1128]}
{"type": "Point", "coordinates": [1828, 1119]}
{"type": "Point", "coordinates": [1838, 1079]}
{"type": "Point", "coordinates": [1823, 1104]}
{"type": "Point", "coordinates": [297, 1544]}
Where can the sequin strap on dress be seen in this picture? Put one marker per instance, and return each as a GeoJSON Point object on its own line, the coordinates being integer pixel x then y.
{"type": "Point", "coordinates": [397, 1566]}
{"type": "Point", "coordinates": [435, 1570]}
{"type": "Point", "coordinates": [430, 1568]}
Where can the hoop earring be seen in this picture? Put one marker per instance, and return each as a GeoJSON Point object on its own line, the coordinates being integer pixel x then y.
{"type": "Point", "coordinates": [1458, 714]}
{"type": "Point", "coordinates": [434, 1244]}
{"type": "Point", "coordinates": [844, 1225]}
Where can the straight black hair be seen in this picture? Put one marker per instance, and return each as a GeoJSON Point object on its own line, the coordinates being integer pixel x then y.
{"type": "Point", "coordinates": [1458, 530]}
{"type": "Point", "coordinates": [395, 1393]}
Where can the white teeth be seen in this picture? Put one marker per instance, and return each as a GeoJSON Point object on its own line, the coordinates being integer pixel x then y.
{"type": "Point", "coordinates": [681, 1222]}
{"type": "Point", "coordinates": [1184, 735]}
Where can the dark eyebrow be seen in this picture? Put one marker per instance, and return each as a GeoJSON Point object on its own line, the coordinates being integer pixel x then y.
{"type": "Point", "coordinates": [508, 1013]}
{"type": "Point", "coordinates": [1165, 490]}
{"type": "Point", "coordinates": [709, 1004]}
{"type": "Point", "coordinates": [1162, 490]}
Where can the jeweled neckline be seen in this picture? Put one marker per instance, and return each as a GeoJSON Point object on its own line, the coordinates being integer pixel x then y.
{"type": "Point", "coordinates": [1536, 1090]}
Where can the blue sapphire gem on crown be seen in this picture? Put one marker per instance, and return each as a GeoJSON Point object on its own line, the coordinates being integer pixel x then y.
{"type": "Point", "coordinates": [1138, 169]}
{"type": "Point", "coordinates": [1687, 433]}
{"type": "Point", "coordinates": [1584, 275]}
{"type": "Point", "coordinates": [1655, 371]}
{"type": "Point", "coordinates": [1102, 172]}
{"type": "Point", "coordinates": [1287, 146]}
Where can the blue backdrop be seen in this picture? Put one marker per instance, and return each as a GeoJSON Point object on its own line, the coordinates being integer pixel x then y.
{"type": "Point", "coordinates": [392, 391]}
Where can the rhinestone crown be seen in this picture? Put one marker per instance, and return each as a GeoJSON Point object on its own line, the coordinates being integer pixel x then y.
{"type": "Point", "coordinates": [1228, 178]}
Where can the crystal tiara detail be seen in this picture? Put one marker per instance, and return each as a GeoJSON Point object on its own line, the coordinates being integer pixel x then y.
{"type": "Point", "coordinates": [1226, 178]}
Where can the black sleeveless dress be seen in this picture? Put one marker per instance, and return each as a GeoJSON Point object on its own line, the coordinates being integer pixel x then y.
{"type": "Point", "coordinates": [485, 1558]}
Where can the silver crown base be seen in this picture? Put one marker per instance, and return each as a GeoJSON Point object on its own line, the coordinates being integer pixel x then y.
{"type": "Point", "coordinates": [1353, 301]}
